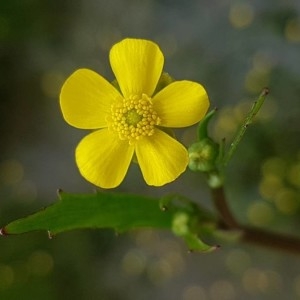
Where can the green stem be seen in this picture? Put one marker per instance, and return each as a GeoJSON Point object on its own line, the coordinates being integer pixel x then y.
{"type": "Point", "coordinates": [240, 133]}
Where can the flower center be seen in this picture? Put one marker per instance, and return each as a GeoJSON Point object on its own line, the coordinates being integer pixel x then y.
{"type": "Point", "coordinates": [133, 118]}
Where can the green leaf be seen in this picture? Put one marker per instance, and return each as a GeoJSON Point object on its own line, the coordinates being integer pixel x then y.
{"type": "Point", "coordinates": [101, 210]}
{"type": "Point", "coordinates": [120, 212]}
{"type": "Point", "coordinates": [194, 243]}
{"type": "Point", "coordinates": [183, 225]}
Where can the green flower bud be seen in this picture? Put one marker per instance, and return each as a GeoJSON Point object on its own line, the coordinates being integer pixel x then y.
{"type": "Point", "coordinates": [180, 224]}
{"type": "Point", "coordinates": [203, 155]}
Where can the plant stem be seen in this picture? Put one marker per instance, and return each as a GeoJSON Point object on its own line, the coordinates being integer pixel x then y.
{"type": "Point", "coordinates": [223, 210]}
{"type": "Point", "coordinates": [240, 133]}
{"type": "Point", "coordinates": [249, 234]}
{"type": "Point", "coordinates": [271, 240]}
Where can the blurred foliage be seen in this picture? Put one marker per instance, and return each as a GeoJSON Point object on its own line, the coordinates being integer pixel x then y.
{"type": "Point", "coordinates": [234, 48]}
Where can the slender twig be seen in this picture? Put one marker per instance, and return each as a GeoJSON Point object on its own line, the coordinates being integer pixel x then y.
{"type": "Point", "coordinates": [271, 240]}
{"type": "Point", "coordinates": [252, 235]}
{"type": "Point", "coordinates": [240, 133]}
{"type": "Point", "coordinates": [218, 197]}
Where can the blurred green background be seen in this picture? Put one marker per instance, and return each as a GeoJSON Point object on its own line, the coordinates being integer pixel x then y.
{"type": "Point", "coordinates": [234, 48]}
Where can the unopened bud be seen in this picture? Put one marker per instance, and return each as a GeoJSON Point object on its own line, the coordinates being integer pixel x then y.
{"type": "Point", "coordinates": [203, 155]}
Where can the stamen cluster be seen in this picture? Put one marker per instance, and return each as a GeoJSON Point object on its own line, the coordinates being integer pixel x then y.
{"type": "Point", "coordinates": [134, 118]}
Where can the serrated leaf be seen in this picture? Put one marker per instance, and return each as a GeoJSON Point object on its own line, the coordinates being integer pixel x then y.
{"type": "Point", "coordinates": [101, 210]}
{"type": "Point", "coordinates": [194, 243]}
{"type": "Point", "coordinates": [104, 210]}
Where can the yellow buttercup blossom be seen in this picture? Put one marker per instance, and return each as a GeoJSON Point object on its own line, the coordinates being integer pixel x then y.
{"type": "Point", "coordinates": [128, 121]}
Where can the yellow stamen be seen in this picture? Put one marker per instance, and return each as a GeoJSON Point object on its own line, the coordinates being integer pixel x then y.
{"type": "Point", "coordinates": [133, 118]}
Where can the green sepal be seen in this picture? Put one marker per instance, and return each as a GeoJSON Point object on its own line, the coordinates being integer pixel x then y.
{"type": "Point", "coordinates": [115, 83]}
{"type": "Point", "coordinates": [183, 226]}
{"type": "Point", "coordinates": [202, 132]}
{"type": "Point", "coordinates": [189, 222]}
{"type": "Point", "coordinates": [164, 80]}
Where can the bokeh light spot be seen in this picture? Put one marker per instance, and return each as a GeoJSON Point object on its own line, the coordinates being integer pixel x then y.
{"type": "Point", "coordinates": [287, 201]}
{"type": "Point", "coordinates": [262, 61]}
{"type": "Point", "coordinates": [11, 172]}
{"type": "Point", "coordinates": [238, 261]}
{"type": "Point", "coordinates": [268, 110]}
{"type": "Point", "coordinates": [257, 281]}
{"type": "Point", "coordinates": [293, 175]}
{"type": "Point", "coordinates": [226, 124]}
{"type": "Point", "coordinates": [292, 31]}
{"type": "Point", "coordinates": [160, 271]}
{"type": "Point", "coordinates": [176, 262]}
{"type": "Point", "coordinates": [134, 262]}
{"type": "Point", "coordinates": [260, 214]}
{"type": "Point", "coordinates": [40, 263]}
{"type": "Point", "coordinates": [241, 110]}
{"type": "Point", "coordinates": [222, 290]}
{"type": "Point", "coordinates": [275, 166]}
{"type": "Point", "coordinates": [254, 280]}
{"type": "Point", "coordinates": [146, 238]}
{"type": "Point", "coordinates": [241, 15]}
{"type": "Point", "coordinates": [6, 276]}
{"type": "Point", "coordinates": [256, 79]}
{"type": "Point", "coordinates": [194, 292]}
{"type": "Point", "coordinates": [269, 186]}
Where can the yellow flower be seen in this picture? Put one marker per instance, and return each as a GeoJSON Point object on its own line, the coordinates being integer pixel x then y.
{"type": "Point", "coordinates": [128, 122]}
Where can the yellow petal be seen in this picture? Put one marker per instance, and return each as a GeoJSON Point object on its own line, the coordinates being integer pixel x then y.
{"type": "Point", "coordinates": [85, 99]}
{"type": "Point", "coordinates": [181, 104]}
{"type": "Point", "coordinates": [103, 159]}
{"type": "Point", "coordinates": [137, 65]}
{"type": "Point", "coordinates": [161, 158]}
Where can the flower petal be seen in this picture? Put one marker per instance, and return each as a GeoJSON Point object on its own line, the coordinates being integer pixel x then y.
{"type": "Point", "coordinates": [103, 159]}
{"type": "Point", "coordinates": [181, 104]}
{"type": "Point", "coordinates": [85, 99]}
{"type": "Point", "coordinates": [137, 65]}
{"type": "Point", "coordinates": [161, 158]}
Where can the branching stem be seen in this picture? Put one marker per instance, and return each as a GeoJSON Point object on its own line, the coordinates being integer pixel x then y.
{"type": "Point", "coordinates": [252, 235]}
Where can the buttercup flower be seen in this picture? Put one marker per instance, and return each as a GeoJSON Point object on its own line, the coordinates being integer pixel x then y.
{"type": "Point", "coordinates": [128, 121]}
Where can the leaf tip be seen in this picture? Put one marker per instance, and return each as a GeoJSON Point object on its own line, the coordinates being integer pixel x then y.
{"type": "Point", "coordinates": [265, 91]}
{"type": "Point", "coordinates": [59, 193]}
{"type": "Point", "coordinates": [3, 232]}
{"type": "Point", "coordinates": [216, 247]}
{"type": "Point", "coordinates": [163, 208]}
{"type": "Point", "coordinates": [209, 249]}
{"type": "Point", "coordinates": [50, 235]}
{"type": "Point", "coordinates": [213, 248]}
